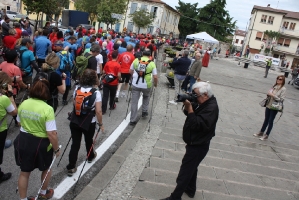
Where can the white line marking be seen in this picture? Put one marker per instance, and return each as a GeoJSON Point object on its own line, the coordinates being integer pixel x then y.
{"type": "Point", "coordinates": [68, 182]}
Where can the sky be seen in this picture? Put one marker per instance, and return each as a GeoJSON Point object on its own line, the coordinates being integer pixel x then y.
{"type": "Point", "coordinates": [240, 10]}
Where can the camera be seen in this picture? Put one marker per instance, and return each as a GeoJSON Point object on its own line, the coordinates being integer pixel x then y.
{"type": "Point", "coordinates": [190, 97]}
{"type": "Point", "coordinates": [5, 90]}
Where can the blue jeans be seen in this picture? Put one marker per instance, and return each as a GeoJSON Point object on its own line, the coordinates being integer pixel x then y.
{"type": "Point", "coordinates": [192, 81]}
{"type": "Point", "coordinates": [269, 119]}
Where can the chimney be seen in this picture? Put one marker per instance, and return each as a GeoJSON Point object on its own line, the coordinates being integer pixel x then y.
{"type": "Point", "coordinates": [268, 5]}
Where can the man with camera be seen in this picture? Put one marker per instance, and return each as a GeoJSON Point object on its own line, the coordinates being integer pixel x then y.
{"type": "Point", "coordinates": [202, 113]}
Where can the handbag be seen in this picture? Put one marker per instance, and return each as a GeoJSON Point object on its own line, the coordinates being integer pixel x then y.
{"type": "Point", "coordinates": [264, 102]}
{"type": "Point", "coordinates": [277, 105]}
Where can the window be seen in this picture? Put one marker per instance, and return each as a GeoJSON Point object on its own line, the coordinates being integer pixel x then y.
{"type": "Point", "coordinates": [280, 41]}
{"type": "Point", "coordinates": [285, 25]}
{"type": "Point", "coordinates": [264, 18]}
{"type": "Point", "coordinates": [287, 42]}
{"type": "Point", "coordinates": [270, 20]}
{"type": "Point", "coordinates": [154, 11]}
{"type": "Point", "coordinates": [133, 8]}
{"type": "Point", "coordinates": [242, 41]}
{"type": "Point", "coordinates": [259, 35]}
{"type": "Point", "coordinates": [7, 7]}
{"type": "Point", "coordinates": [292, 26]}
{"type": "Point", "coordinates": [143, 7]}
{"type": "Point", "coordinates": [237, 41]}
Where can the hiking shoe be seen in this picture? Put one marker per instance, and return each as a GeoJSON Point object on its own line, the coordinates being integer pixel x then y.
{"type": "Point", "coordinates": [95, 155]}
{"type": "Point", "coordinates": [70, 172]}
{"type": "Point", "coordinates": [190, 194]}
{"type": "Point", "coordinates": [173, 102]}
{"type": "Point", "coordinates": [116, 99]}
{"type": "Point", "coordinates": [265, 137]}
{"type": "Point", "coordinates": [133, 123]}
{"type": "Point", "coordinates": [49, 194]}
{"type": "Point", "coordinates": [260, 134]}
{"type": "Point", "coordinates": [112, 108]}
{"type": "Point", "coordinates": [144, 114]}
{"type": "Point", "coordinates": [5, 177]}
{"type": "Point", "coordinates": [64, 102]}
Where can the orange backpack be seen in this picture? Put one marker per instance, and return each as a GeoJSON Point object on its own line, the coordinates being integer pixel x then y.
{"type": "Point", "coordinates": [84, 101]}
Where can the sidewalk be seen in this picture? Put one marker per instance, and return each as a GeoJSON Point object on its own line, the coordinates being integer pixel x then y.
{"type": "Point", "coordinates": [238, 165]}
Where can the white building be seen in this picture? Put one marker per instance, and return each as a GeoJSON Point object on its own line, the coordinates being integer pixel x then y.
{"type": "Point", "coordinates": [166, 17]}
{"type": "Point", "coordinates": [238, 38]}
{"type": "Point", "coordinates": [12, 5]}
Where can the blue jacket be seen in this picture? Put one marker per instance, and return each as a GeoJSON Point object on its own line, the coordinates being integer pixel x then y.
{"type": "Point", "coordinates": [181, 65]}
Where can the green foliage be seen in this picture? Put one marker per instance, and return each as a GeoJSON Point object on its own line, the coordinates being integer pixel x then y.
{"type": "Point", "coordinates": [89, 6]}
{"type": "Point", "coordinates": [142, 19]}
{"type": "Point", "coordinates": [187, 26]}
{"type": "Point", "coordinates": [216, 20]}
{"type": "Point", "coordinates": [106, 7]}
{"type": "Point", "coordinates": [272, 34]}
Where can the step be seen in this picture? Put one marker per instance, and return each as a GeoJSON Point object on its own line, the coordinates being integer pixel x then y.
{"type": "Point", "coordinates": [210, 184]}
{"type": "Point", "coordinates": [151, 190]}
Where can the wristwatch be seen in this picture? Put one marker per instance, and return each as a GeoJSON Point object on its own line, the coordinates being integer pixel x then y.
{"type": "Point", "coordinates": [56, 151]}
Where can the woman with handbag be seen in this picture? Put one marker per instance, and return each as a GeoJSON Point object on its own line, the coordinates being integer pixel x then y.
{"type": "Point", "coordinates": [273, 104]}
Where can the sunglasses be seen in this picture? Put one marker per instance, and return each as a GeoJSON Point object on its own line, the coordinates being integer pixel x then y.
{"type": "Point", "coordinates": [279, 79]}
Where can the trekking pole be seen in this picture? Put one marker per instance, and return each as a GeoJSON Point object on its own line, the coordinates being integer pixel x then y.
{"type": "Point", "coordinates": [87, 156]}
{"type": "Point", "coordinates": [64, 150]}
{"type": "Point", "coordinates": [129, 90]}
{"type": "Point", "coordinates": [149, 122]}
{"type": "Point", "coordinates": [36, 197]}
{"type": "Point", "coordinates": [128, 105]}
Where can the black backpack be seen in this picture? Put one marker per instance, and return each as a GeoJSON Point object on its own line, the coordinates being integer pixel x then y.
{"type": "Point", "coordinates": [47, 76]}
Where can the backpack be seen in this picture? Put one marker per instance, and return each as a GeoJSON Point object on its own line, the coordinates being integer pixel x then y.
{"type": "Point", "coordinates": [18, 62]}
{"type": "Point", "coordinates": [81, 65]}
{"type": "Point", "coordinates": [105, 57]}
{"type": "Point", "coordinates": [47, 76]}
{"type": "Point", "coordinates": [66, 63]}
{"type": "Point", "coordinates": [83, 114]}
{"type": "Point", "coordinates": [141, 69]}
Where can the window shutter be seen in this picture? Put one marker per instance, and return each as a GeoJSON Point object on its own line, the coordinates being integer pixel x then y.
{"type": "Point", "coordinates": [287, 42]}
{"type": "Point", "coordinates": [259, 34]}
{"type": "Point", "coordinates": [280, 41]}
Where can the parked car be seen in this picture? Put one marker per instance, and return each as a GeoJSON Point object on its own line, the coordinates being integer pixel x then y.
{"type": "Point", "coordinates": [19, 16]}
{"type": "Point", "coordinates": [86, 26]}
{"type": "Point", "coordinates": [11, 14]}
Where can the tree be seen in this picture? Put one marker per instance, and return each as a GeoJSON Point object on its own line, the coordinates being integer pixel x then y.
{"type": "Point", "coordinates": [142, 19]}
{"type": "Point", "coordinates": [215, 20]}
{"type": "Point", "coordinates": [107, 7]}
{"type": "Point", "coordinates": [270, 37]}
{"type": "Point", "coordinates": [186, 24]}
{"type": "Point", "coordinates": [89, 6]}
{"type": "Point", "coordinates": [49, 7]}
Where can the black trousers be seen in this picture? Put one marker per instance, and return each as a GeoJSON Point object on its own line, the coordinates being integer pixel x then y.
{"type": "Point", "coordinates": [109, 92]}
{"type": "Point", "coordinates": [185, 83]}
{"type": "Point", "coordinates": [3, 135]}
{"type": "Point", "coordinates": [186, 180]}
{"type": "Point", "coordinates": [66, 93]}
{"type": "Point", "coordinates": [53, 103]}
{"type": "Point", "coordinates": [77, 132]}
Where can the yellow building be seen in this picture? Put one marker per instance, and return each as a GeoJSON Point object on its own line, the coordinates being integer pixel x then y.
{"type": "Point", "coordinates": [282, 21]}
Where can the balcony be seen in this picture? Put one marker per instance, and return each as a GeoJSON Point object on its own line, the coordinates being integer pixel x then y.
{"type": "Point", "coordinates": [286, 50]}
{"type": "Point", "coordinates": [289, 33]}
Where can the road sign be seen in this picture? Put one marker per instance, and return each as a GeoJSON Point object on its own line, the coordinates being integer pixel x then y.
{"type": "Point", "coordinates": [116, 16]}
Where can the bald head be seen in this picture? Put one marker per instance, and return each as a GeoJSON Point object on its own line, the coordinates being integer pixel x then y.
{"type": "Point", "coordinates": [197, 56]}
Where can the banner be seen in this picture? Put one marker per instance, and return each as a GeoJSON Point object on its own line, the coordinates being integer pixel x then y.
{"type": "Point", "coordinates": [260, 57]}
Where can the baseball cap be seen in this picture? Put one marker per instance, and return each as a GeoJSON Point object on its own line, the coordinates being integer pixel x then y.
{"type": "Point", "coordinates": [25, 41]}
{"type": "Point", "coordinates": [88, 45]}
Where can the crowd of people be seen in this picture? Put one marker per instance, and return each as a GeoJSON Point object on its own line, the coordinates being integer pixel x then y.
{"type": "Point", "coordinates": [105, 66]}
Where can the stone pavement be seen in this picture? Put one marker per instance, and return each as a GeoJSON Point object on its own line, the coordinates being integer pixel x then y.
{"type": "Point", "coordinates": [238, 165]}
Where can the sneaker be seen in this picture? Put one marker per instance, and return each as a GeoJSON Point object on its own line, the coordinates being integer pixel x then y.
{"type": "Point", "coordinates": [116, 99]}
{"type": "Point", "coordinates": [95, 155]}
{"type": "Point", "coordinates": [49, 194]}
{"type": "Point", "coordinates": [7, 144]}
{"type": "Point", "coordinates": [133, 123]}
{"type": "Point", "coordinates": [173, 102]}
{"type": "Point", "coordinates": [70, 172]}
{"type": "Point", "coordinates": [64, 102]}
{"type": "Point", "coordinates": [112, 108]}
{"type": "Point", "coordinates": [190, 194]}
{"type": "Point", "coordinates": [5, 177]}
{"type": "Point", "coordinates": [144, 114]}
{"type": "Point", "coordinates": [31, 198]}
{"type": "Point", "coordinates": [265, 137]}
{"type": "Point", "coordinates": [260, 134]}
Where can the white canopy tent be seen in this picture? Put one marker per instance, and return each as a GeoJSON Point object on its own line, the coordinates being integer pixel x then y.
{"type": "Point", "coordinates": [203, 36]}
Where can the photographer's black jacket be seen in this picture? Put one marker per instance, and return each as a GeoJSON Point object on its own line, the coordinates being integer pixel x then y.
{"type": "Point", "coordinates": [200, 126]}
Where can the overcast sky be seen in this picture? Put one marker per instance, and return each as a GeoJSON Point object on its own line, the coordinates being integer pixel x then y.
{"type": "Point", "coordinates": [240, 10]}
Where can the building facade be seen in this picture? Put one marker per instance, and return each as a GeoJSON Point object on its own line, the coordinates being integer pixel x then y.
{"type": "Point", "coordinates": [238, 39]}
{"type": "Point", "coordinates": [282, 21]}
{"type": "Point", "coordinates": [166, 18]}
{"type": "Point", "coordinates": [11, 5]}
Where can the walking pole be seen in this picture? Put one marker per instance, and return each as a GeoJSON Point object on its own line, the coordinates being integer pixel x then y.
{"type": "Point", "coordinates": [129, 90]}
{"type": "Point", "coordinates": [128, 105]}
{"type": "Point", "coordinates": [149, 122]}
{"type": "Point", "coordinates": [36, 197]}
{"type": "Point", "coordinates": [87, 156]}
{"type": "Point", "coordinates": [64, 150]}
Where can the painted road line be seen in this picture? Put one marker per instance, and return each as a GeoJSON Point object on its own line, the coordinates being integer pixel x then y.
{"type": "Point", "coordinates": [69, 182]}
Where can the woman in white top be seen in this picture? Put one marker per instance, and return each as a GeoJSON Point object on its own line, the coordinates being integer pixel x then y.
{"type": "Point", "coordinates": [276, 93]}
